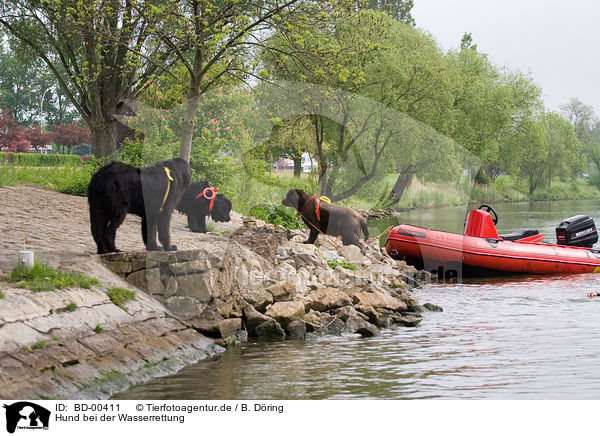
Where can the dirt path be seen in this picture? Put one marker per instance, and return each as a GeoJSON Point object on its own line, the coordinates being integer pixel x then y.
{"type": "Point", "coordinates": [49, 222]}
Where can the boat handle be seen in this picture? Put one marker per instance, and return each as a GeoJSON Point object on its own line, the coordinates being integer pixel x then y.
{"type": "Point", "coordinates": [493, 242]}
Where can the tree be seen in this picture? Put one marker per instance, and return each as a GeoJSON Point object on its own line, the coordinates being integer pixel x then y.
{"type": "Point", "coordinates": [36, 137]}
{"type": "Point", "coordinates": [466, 42]}
{"type": "Point", "coordinates": [586, 126]}
{"type": "Point", "coordinates": [24, 80]}
{"type": "Point", "coordinates": [213, 41]}
{"type": "Point", "coordinates": [12, 135]}
{"type": "Point", "coordinates": [399, 9]}
{"type": "Point", "coordinates": [291, 138]}
{"type": "Point", "coordinates": [549, 148]}
{"type": "Point", "coordinates": [581, 116]}
{"type": "Point", "coordinates": [101, 53]}
{"type": "Point", "coordinates": [372, 72]}
{"type": "Point", "coordinates": [70, 135]}
{"type": "Point", "coordinates": [490, 106]}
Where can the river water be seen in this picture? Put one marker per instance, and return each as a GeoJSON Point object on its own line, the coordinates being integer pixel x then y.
{"type": "Point", "coordinates": [507, 338]}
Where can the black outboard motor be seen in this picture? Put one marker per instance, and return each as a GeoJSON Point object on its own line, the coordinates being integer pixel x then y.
{"type": "Point", "coordinates": [577, 231]}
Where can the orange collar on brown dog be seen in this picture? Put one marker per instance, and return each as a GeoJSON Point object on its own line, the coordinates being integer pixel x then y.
{"type": "Point", "coordinates": [317, 208]}
{"type": "Point", "coordinates": [318, 204]}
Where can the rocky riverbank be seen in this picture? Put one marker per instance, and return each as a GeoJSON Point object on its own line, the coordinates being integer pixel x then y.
{"type": "Point", "coordinates": [263, 281]}
{"type": "Point", "coordinates": [251, 279]}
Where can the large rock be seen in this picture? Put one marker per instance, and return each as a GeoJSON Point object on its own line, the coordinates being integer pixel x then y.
{"type": "Point", "coordinates": [296, 329]}
{"type": "Point", "coordinates": [217, 328]}
{"type": "Point", "coordinates": [197, 286]}
{"type": "Point", "coordinates": [353, 255]}
{"type": "Point", "coordinates": [326, 299]}
{"type": "Point", "coordinates": [355, 322]}
{"type": "Point", "coordinates": [346, 312]}
{"type": "Point", "coordinates": [281, 290]}
{"type": "Point", "coordinates": [269, 329]}
{"type": "Point", "coordinates": [307, 256]}
{"type": "Point", "coordinates": [369, 312]}
{"type": "Point", "coordinates": [409, 321]}
{"type": "Point", "coordinates": [433, 307]}
{"type": "Point", "coordinates": [190, 267]}
{"type": "Point", "coordinates": [284, 312]}
{"type": "Point", "coordinates": [312, 320]}
{"type": "Point", "coordinates": [253, 319]}
{"type": "Point", "coordinates": [368, 330]}
{"type": "Point", "coordinates": [184, 307]}
{"type": "Point", "coordinates": [379, 300]}
{"type": "Point", "coordinates": [258, 298]}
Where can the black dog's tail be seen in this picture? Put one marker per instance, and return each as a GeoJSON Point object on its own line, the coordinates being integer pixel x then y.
{"type": "Point", "coordinates": [365, 229]}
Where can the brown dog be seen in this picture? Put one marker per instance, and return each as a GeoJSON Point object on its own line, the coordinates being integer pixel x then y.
{"type": "Point", "coordinates": [322, 217]}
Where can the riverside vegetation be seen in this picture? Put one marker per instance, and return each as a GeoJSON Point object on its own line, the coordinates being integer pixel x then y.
{"type": "Point", "coordinates": [389, 118]}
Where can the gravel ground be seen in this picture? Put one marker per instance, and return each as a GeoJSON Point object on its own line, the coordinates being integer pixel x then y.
{"type": "Point", "coordinates": [46, 221]}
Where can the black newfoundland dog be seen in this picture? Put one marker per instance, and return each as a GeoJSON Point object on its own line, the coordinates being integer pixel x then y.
{"type": "Point", "coordinates": [152, 192]}
{"type": "Point", "coordinates": [320, 216]}
{"type": "Point", "coordinates": [199, 201]}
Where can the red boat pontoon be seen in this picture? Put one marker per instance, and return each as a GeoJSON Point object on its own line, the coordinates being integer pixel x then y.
{"type": "Point", "coordinates": [480, 250]}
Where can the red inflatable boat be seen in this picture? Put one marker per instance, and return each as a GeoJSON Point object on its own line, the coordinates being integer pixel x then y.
{"type": "Point", "coordinates": [482, 251]}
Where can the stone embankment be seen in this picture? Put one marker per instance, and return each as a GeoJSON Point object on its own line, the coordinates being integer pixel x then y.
{"type": "Point", "coordinates": [76, 343]}
{"type": "Point", "coordinates": [262, 281]}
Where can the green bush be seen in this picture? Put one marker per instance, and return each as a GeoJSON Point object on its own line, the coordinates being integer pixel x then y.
{"type": "Point", "coordinates": [140, 153]}
{"type": "Point", "coordinates": [278, 214]}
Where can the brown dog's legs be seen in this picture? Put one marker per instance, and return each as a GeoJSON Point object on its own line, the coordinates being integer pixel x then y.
{"type": "Point", "coordinates": [353, 241]}
{"type": "Point", "coordinates": [312, 237]}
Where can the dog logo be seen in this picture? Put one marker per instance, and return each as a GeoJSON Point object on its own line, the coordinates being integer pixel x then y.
{"type": "Point", "coordinates": [26, 415]}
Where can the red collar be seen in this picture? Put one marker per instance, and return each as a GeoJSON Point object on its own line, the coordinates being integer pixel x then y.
{"type": "Point", "coordinates": [210, 194]}
{"type": "Point", "coordinates": [317, 207]}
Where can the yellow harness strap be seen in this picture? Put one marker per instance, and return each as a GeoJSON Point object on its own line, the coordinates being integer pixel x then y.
{"type": "Point", "coordinates": [169, 180]}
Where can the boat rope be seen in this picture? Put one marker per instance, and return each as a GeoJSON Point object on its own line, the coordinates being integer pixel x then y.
{"type": "Point", "coordinates": [368, 241]}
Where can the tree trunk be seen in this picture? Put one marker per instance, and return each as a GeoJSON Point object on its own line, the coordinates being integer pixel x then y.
{"type": "Point", "coordinates": [104, 138]}
{"type": "Point", "coordinates": [188, 127]}
{"type": "Point", "coordinates": [297, 166]}
{"type": "Point", "coordinates": [402, 182]}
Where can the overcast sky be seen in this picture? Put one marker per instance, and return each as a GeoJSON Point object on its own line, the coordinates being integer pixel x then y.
{"type": "Point", "coordinates": [558, 42]}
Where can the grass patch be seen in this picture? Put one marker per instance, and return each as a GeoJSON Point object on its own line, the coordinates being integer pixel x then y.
{"type": "Point", "coordinates": [71, 307]}
{"type": "Point", "coordinates": [39, 345]}
{"type": "Point", "coordinates": [120, 295]}
{"type": "Point", "coordinates": [70, 179]}
{"type": "Point", "coordinates": [333, 263]}
{"type": "Point", "coordinates": [1, 294]}
{"type": "Point", "coordinates": [42, 278]}
{"type": "Point", "coordinates": [98, 329]}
